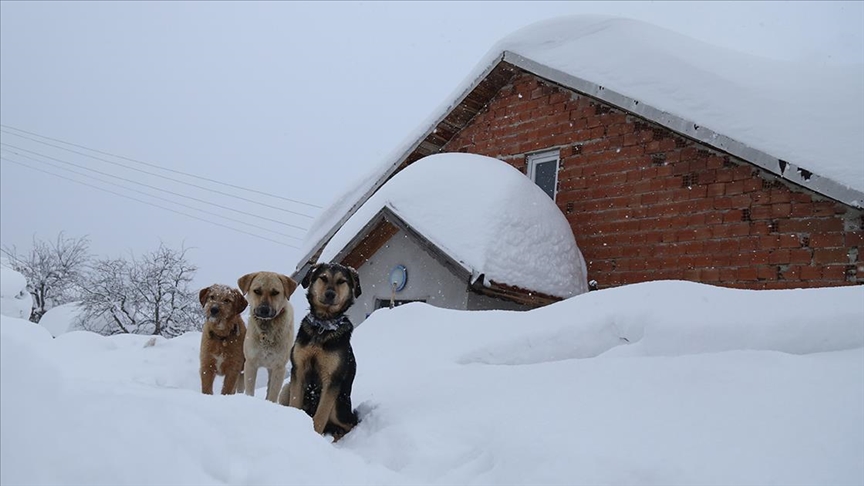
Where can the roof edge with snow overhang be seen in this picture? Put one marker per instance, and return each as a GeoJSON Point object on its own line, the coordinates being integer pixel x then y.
{"type": "Point", "coordinates": [800, 176]}
{"type": "Point", "coordinates": [501, 69]}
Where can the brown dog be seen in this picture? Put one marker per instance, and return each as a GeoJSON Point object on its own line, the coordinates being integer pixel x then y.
{"type": "Point", "coordinates": [271, 328]}
{"type": "Point", "coordinates": [322, 361]}
{"type": "Point", "coordinates": [222, 338]}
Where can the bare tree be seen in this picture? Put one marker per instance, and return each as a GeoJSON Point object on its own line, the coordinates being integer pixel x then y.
{"type": "Point", "coordinates": [54, 271]}
{"type": "Point", "coordinates": [149, 295]}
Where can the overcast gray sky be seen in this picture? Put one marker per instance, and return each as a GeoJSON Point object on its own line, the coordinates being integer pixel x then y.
{"type": "Point", "coordinates": [294, 99]}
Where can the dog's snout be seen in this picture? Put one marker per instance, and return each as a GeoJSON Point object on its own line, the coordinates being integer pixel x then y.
{"type": "Point", "coordinates": [264, 311]}
{"type": "Point", "coordinates": [329, 295]}
{"type": "Point", "coordinates": [214, 311]}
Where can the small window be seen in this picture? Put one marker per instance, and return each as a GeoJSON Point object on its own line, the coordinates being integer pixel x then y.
{"type": "Point", "coordinates": [543, 170]}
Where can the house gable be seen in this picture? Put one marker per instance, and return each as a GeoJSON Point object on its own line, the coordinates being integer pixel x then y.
{"type": "Point", "coordinates": [386, 224]}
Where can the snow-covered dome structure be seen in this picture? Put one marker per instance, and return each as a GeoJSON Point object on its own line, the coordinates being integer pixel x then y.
{"type": "Point", "coordinates": [485, 215]}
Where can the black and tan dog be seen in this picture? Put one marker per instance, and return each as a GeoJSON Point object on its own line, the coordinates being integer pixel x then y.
{"type": "Point", "coordinates": [322, 361]}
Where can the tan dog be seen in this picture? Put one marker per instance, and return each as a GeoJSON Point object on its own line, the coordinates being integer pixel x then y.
{"type": "Point", "coordinates": [222, 338]}
{"type": "Point", "coordinates": [271, 328]}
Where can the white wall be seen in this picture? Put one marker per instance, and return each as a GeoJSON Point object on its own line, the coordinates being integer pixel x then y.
{"type": "Point", "coordinates": [427, 279]}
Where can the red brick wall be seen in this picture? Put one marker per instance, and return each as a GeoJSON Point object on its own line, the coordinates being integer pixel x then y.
{"type": "Point", "coordinates": [646, 204]}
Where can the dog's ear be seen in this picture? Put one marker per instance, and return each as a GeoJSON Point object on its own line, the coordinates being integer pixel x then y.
{"type": "Point", "coordinates": [308, 278]}
{"type": "Point", "coordinates": [240, 302]}
{"type": "Point", "coordinates": [289, 284]}
{"type": "Point", "coordinates": [202, 295]}
{"type": "Point", "coordinates": [245, 281]}
{"type": "Point", "coordinates": [356, 277]}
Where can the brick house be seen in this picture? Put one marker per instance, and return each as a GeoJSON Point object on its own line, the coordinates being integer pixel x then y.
{"type": "Point", "coordinates": [653, 193]}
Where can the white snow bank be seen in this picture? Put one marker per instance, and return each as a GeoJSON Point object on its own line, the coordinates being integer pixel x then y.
{"type": "Point", "coordinates": [662, 318]}
{"type": "Point", "coordinates": [693, 403]}
{"type": "Point", "coordinates": [486, 215]}
{"type": "Point", "coordinates": [803, 113]}
{"type": "Point", "coordinates": [15, 300]}
{"type": "Point", "coordinates": [63, 426]}
{"type": "Point", "coordinates": [61, 319]}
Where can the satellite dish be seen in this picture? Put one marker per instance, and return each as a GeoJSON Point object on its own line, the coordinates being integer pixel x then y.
{"type": "Point", "coordinates": [398, 277]}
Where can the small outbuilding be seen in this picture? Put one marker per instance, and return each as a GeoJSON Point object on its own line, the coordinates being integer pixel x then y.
{"type": "Point", "coordinates": [459, 231]}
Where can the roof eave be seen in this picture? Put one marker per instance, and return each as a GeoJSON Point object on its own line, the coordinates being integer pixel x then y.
{"type": "Point", "coordinates": [386, 213]}
{"type": "Point", "coordinates": [781, 168]}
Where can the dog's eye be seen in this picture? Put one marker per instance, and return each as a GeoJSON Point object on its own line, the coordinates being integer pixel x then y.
{"type": "Point", "coordinates": [274, 293]}
{"type": "Point", "coordinates": [257, 291]}
{"type": "Point", "coordinates": [324, 278]}
{"type": "Point", "coordinates": [340, 282]}
{"type": "Point", "coordinates": [226, 301]}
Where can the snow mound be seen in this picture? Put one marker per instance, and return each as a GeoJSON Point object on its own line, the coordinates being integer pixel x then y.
{"type": "Point", "coordinates": [15, 300]}
{"type": "Point", "coordinates": [486, 215]}
{"type": "Point", "coordinates": [664, 318]}
{"type": "Point", "coordinates": [61, 319]}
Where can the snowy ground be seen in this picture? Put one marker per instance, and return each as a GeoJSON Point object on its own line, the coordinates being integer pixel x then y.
{"type": "Point", "coordinates": [656, 383]}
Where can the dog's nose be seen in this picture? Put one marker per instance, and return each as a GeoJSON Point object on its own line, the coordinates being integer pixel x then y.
{"type": "Point", "coordinates": [214, 311]}
{"type": "Point", "coordinates": [329, 295]}
{"type": "Point", "coordinates": [263, 310]}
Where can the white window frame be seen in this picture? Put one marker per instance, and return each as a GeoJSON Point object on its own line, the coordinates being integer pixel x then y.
{"type": "Point", "coordinates": [542, 158]}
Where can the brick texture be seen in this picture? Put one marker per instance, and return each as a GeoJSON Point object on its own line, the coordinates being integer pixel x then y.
{"type": "Point", "coordinates": [645, 203]}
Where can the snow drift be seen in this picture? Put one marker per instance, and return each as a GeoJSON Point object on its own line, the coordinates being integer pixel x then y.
{"type": "Point", "coordinates": [656, 383]}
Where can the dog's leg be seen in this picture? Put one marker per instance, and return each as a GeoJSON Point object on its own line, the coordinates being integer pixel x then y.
{"type": "Point", "coordinates": [230, 383]}
{"type": "Point", "coordinates": [249, 374]}
{"type": "Point", "coordinates": [296, 388]}
{"type": "Point", "coordinates": [329, 392]}
{"type": "Point", "coordinates": [285, 394]}
{"type": "Point", "coordinates": [342, 417]}
{"type": "Point", "coordinates": [241, 382]}
{"type": "Point", "coordinates": [275, 377]}
{"type": "Point", "coordinates": [208, 374]}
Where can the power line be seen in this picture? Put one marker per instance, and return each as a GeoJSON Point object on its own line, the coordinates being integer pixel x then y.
{"type": "Point", "coordinates": [145, 185]}
{"type": "Point", "coordinates": [150, 203]}
{"type": "Point", "coordinates": [159, 167]}
{"type": "Point", "coordinates": [153, 196]}
{"type": "Point", "coordinates": [162, 176]}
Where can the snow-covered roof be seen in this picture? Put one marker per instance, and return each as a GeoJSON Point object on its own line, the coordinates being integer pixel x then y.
{"type": "Point", "coordinates": [802, 122]}
{"type": "Point", "coordinates": [486, 216]}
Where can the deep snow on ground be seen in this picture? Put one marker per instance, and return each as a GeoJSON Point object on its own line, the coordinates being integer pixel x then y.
{"type": "Point", "coordinates": [655, 383]}
{"type": "Point", "coordinates": [61, 319]}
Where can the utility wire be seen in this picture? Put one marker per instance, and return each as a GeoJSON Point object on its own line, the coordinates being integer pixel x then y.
{"type": "Point", "coordinates": [160, 175]}
{"type": "Point", "coordinates": [149, 203]}
{"type": "Point", "coordinates": [160, 167]}
{"type": "Point", "coordinates": [143, 184]}
{"type": "Point", "coordinates": [156, 197]}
